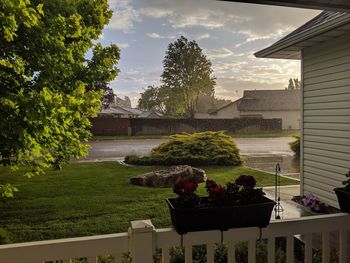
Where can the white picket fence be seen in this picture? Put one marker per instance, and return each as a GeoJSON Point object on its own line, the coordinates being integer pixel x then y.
{"type": "Point", "coordinates": [142, 239]}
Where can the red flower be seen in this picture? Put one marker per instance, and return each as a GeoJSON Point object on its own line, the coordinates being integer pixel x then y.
{"type": "Point", "coordinates": [217, 193]}
{"type": "Point", "coordinates": [190, 187]}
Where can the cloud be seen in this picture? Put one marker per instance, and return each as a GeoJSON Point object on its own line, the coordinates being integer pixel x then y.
{"type": "Point", "coordinates": [158, 36]}
{"type": "Point", "coordinates": [123, 45]}
{"type": "Point", "coordinates": [155, 12]}
{"type": "Point", "coordinates": [257, 21]}
{"type": "Point", "coordinates": [202, 36]}
{"type": "Point", "coordinates": [124, 15]}
{"type": "Point", "coordinates": [219, 53]}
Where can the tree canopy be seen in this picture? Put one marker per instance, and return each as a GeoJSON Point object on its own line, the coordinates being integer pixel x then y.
{"type": "Point", "coordinates": [187, 74]}
{"type": "Point", "coordinates": [48, 88]}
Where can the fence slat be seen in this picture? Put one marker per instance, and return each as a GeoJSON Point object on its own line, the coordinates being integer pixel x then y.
{"type": "Point", "coordinates": [210, 253]}
{"type": "Point", "coordinates": [118, 258]}
{"type": "Point", "coordinates": [252, 251]}
{"type": "Point", "coordinates": [231, 252]}
{"type": "Point", "coordinates": [271, 246]}
{"type": "Point", "coordinates": [325, 247]}
{"type": "Point", "coordinates": [92, 260]}
{"type": "Point", "coordinates": [290, 249]}
{"type": "Point", "coordinates": [188, 254]}
{"type": "Point", "coordinates": [66, 261]}
{"type": "Point", "coordinates": [308, 248]}
{"type": "Point", "coordinates": [165, 255]}
{"type": "Point", "coordinates": [343, 243]}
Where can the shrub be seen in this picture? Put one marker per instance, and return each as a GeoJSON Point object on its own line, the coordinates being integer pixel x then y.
{"type": "Point", "coordinates": [295, 146]}
{"type": "Point", "coordinates": [4, 237]}
{"type": "Point", "coordinates": [203, 148]}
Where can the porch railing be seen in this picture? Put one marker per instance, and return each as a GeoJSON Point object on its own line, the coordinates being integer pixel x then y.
{"type": "Point", "coordinates": [142, 239]}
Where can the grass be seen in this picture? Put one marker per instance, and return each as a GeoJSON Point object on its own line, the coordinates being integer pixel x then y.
{"type": "Point", "coordinates": [236, 135]}
{"type": "Point", "coordinates": [93, 198]}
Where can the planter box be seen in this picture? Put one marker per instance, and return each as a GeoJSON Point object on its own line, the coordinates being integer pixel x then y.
{"type": "Point", "coordinates": [343, 199]}
{"type": "Point", "coordinates": [220, 218]}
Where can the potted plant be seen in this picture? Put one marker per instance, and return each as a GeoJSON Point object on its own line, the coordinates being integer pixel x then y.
{"type": "Point", "coordinates": [234, 205]}
{"type": "Point", "coordinates": [343, 194]}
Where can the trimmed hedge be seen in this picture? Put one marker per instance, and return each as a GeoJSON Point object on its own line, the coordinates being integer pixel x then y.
{"type": "Point", "coordinates": [203, 148]}
{"type": "Point", "coordinates": [295, 146]}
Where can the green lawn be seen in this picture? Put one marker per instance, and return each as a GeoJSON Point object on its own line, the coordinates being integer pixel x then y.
{"type": "Point", "coordinates": [92, 198]}
{"type": "Point", "coordinates": [236, 135]}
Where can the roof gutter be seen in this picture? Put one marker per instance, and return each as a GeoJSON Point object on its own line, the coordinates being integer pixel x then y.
{"type": "Point", "coordinates": [302, 36]}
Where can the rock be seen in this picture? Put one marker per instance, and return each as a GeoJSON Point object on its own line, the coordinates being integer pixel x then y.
{"type": "Point", "coordinates": [167, 177]}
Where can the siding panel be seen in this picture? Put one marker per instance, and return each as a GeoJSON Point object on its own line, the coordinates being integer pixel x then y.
{"type": "Point", "coordinates": [326, 117]}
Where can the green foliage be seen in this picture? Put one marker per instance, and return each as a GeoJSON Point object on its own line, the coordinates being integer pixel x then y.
{"type": "Point", "coordinates": [295, 146]}
{"type": "Point", "coordinates": [47, 85]}
{"type": "Point", "coordinates": [203, 148]}
{"type": "Point", "coordinates": [152, 99]}
{"type": "Point", "coordinates": [187, 74]}
{"type": "Point", "coordinates": [4, 237]}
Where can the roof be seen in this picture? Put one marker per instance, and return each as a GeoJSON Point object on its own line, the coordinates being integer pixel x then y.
{"type": "Point", "coordinates": [340, 5]}
{"type": "Point", "coordinates": [325, 26]}
{"type": "Point", "coordinates": [120, 110]}
{"type": "Point", "coordinates": [270, 100]}
{"type": "Point", "coordinates": [213, 111]}
{"type": "Point", "coordinates": [148, 114]}
{"type": "Point", "coordinates": [113, 111]}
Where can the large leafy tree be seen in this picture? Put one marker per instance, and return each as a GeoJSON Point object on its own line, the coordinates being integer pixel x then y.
{"type": "Point", "coordinates": [48, 88]}
{"type": "Point", "coordinates": [187, 74]}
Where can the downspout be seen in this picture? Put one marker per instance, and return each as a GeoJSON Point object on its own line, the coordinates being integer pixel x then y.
{"type": "Point", "coordinates": [302, 124]}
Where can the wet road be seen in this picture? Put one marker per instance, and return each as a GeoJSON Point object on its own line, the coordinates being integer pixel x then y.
{"type": "Point", "coordinates": [248, 146]}
{"type": "Point", "coordinates": [259, 153]}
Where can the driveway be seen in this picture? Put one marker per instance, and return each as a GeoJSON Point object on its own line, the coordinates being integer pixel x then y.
{"type": "Point", "coordinates": [259, 153]}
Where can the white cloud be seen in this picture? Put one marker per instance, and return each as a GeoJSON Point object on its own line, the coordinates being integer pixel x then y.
{"type": "Point", "coordinates": [202, 36]}
{"type": "Point", "coordinates": [155, 12]}
{"type": "Point", "coordinates": [124, 15]}
{"type": "Point", "coordinates": [219, 53]}
{"type": "Point", "coordinates": [123, 45]}
{"type": "Point", "coordinates": [158, 36]}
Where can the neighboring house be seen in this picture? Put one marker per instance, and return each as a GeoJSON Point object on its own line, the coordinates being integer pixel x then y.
{"type": "Point", "coordinates": [119, 112]}
{"type": "Point", "coordinates": [116, 113]}
{"type": "Point", "coordinates": [323, 45]}
{"type": "Point", "coordinates": [271, 104]}
{"type": "Point", "coordinates": [150, 115]}
{"type": "Point", "coordinates": [228, 111]}
{"type": "Point", "coordinates": [127, 112]}
{"type": "Point", "coordinates": [267, 104]}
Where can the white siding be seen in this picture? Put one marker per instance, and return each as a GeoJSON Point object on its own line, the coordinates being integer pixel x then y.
{"type": "Point", "coordinates": [326, 117]}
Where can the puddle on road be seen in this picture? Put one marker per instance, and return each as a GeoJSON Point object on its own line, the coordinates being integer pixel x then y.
{"type": "Point", "coordinates": [290, 166]}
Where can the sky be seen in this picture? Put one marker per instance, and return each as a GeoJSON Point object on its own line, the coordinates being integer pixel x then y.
{"type": "Point", "coordinates": [229, 33]}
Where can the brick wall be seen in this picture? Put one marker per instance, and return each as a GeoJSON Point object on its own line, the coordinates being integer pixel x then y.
{"type": "Point", "coordinates": [119, 126]}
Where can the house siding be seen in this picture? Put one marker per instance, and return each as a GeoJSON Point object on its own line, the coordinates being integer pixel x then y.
{"type": "Point", "coordinates": [326, 117]}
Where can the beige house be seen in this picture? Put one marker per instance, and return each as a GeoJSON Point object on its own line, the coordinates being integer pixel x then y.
{"type": "Point", "coordinates": [267, 104]}
{"type": "Point", "coordinates": [323, 46]}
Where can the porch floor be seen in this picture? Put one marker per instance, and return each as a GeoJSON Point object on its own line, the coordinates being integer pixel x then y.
{"type": "Point", "coordinates": [291, 208]}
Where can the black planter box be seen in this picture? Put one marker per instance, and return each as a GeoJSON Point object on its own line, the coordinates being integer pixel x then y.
{"type": "Point", "coordinates": [220, 218]}
{"type": "Point", "coordinates": [343, 199]}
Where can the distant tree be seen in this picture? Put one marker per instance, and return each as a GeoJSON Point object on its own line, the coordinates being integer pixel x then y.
{"type": "Point", "coordinates": [152, 99]}
{"type": "Point", "coordinates": [294, 84]}
{"type": "Point", "coordinates": [187, 74]}
{"type": "Point", "coordinates": [206, 102]}
{"type": "Point", "coordinates": [48, 89]}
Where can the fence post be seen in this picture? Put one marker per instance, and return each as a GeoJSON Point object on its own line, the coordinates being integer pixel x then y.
{"type": "Point", "coordinates": [142, 236]}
